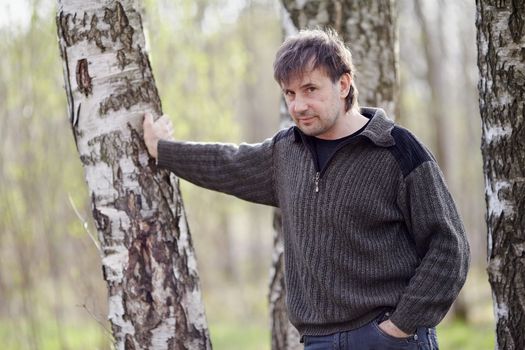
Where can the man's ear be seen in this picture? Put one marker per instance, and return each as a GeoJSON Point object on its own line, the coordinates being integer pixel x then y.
{"type": "Point", "coordinates": [345, 82]}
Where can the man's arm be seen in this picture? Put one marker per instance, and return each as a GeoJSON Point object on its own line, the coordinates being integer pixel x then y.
{"type": "Point", "coordinates": [245, 171]}
{"type": "Point", "coordinates": [441, 243]}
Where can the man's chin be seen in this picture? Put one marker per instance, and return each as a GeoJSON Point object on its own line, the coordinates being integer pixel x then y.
{"type": "Point", "coordinates": [308, 130]}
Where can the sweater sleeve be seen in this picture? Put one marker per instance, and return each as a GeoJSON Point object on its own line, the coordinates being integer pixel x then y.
{"type": "Point", "coordinates": [441, 244]}
{"type": "Point", "coordinates": [245, 171]}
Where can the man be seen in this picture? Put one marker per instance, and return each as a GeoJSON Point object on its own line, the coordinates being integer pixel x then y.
{"type": "Point", "coordinates": [375, 251]}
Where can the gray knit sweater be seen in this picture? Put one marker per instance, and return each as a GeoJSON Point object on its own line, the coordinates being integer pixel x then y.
{"type": "Point", "coordinates": [376, 229]}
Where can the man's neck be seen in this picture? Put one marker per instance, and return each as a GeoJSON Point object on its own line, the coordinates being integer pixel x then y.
{"type": "Point", "coordinates": [355, 120]}
{"type": "Point", "coordinates": [351, 122]}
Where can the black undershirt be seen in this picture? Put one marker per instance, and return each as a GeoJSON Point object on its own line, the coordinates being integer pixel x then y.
{"type": "Point", "coordinates": [325, 148]}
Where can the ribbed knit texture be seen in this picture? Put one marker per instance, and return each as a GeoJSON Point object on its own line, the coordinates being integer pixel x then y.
{"type": "Point", "coordinates": [382, 232]}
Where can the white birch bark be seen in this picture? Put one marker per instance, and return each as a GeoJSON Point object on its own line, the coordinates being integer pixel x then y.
{"type": "Point", "coordinates": [370, 30]}
{"type": "Point", "coordinates": [147, 256]}
{"type": "Point", "coordinates": [501, 63]}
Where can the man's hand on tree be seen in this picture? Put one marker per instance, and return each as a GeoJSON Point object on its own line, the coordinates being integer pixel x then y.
{"type": "Point", "coordinates": [161, 129]}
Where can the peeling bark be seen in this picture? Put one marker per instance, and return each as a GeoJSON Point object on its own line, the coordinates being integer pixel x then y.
{"type": "Point", "coordinates": [148, 260]}
{"type": "Point", "coordinates": [370, 30]}
{"type": "Point", "coordinates": [501, 63]}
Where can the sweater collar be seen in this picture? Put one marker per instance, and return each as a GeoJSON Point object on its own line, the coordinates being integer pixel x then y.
{"type": "Point", "coordinates": [378, 130]}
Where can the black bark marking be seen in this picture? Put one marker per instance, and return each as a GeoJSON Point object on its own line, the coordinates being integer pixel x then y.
{"type": "Point", "coordinates": [137, 145]}
{"type": "Point", "coordinates": [129, 344]}
{"type": "Point", "coordinates": [83, 78]}
{"type": "Point", "coordinates": [516, 20]}
{"type": "Point", "coordinates": [123, 61]}
{"type": "Point", "coordinates": [112, 147]}
{"type": "Point", "coordinates": [75, 120]}
{"type": "Point", "coordinates": [86, 160]}
{"type": "Point", "coordinates": [142, 61]}
{"type": "Point", "coordinates": [69, 94]}
{"type": "Point", "coordinates": [139, 277]}
{"type": "Point", "coordinates": [102, 221]}
{"type": "Point", "coordinates": [120, 27]}
{"type": "Point", "coordinates": [139, 263]}
{"type": "Point", "coordinates": [130, 203]}
{"type": "Point", "coordinates": [95, 34]}
{"type": "Point", "coordinates": [131, 94]}
{"type": "Point", "coordinates": [63, 23]}
{"type": "Point", "coordinates": [76, 131]}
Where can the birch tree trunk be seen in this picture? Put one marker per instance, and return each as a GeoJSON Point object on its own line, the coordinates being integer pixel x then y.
{"type": "Point", "coordinates": [501, 63]}
{"type": "Point", "coordinates": [369, 28]}
{"type": "Point", "coordinates": [147, 257]}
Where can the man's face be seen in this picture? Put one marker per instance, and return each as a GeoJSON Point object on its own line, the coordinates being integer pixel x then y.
{"type": "Point", "coordinates": [315, 103]}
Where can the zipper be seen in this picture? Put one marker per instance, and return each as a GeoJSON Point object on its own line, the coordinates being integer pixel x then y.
{"type": "Point", "coordinates": [316, 166]}
{"type": "Point", "coordinates": [316, 181]}
{"type": "Point", "coordinates": [319, 172]}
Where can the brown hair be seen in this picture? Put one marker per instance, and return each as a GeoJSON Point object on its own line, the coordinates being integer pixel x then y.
{"type": "Point", "coordinates": [311, 49]}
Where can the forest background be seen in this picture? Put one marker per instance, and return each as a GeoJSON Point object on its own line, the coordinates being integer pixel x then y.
{"type": "Point", "coordinates": [212, 61]}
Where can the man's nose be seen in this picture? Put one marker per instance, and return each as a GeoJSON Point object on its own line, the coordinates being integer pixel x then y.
{"type": "Point", "coordinates": [299, 105]}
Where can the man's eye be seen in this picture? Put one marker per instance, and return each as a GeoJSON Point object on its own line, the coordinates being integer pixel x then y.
{"type": "Point", "coordinates": [289, 94]}
{"type": "Point", "coordinates": [310, 89]}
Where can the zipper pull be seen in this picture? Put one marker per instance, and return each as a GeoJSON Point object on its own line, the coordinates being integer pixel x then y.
{"type": "Point", "coordinates": [317, 182]}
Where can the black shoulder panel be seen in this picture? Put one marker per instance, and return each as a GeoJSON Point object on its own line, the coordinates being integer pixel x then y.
{"type": "Point", "coordinates": [408, 151]}
{"type": "Point", "coordinates": [283, 133]}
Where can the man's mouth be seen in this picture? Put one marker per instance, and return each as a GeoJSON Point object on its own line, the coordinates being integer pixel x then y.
{"type": "Point", "coordinates": [306, 118]}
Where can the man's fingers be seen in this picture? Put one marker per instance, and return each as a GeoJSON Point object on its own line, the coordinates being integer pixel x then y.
{"type": "Point", "coordinates": [167, 125]}
{"type": "Point", "coordinates": [162, 128]}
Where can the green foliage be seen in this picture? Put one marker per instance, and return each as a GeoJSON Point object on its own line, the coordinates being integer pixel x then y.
{"type": "Point", "coordinates": [43, 260]}
{"type": "Point", "coordinates": [19, 334]}
{"type": "Point", "coordinates": [458, 335]}
{"type": "Point", "coordinates": [239, 336]}
{"type": "Point", "coordinates": [226, 335]}
{"type": "Point", "coordinates": [198, 73]}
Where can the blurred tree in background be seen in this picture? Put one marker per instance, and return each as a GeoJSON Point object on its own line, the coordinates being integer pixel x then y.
{"type": "Point", "coordinates": [212, 61]}
{"type": "Point", "coordinates": [49, 268]}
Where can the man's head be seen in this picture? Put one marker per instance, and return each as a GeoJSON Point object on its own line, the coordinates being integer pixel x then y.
{"type": "Point", "coordinates": [315, 49]}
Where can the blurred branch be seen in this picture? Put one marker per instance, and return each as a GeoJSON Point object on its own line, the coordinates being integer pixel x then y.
{"type": "Point", "coordinates": [108, 332]}
{"type": "Point", "coordinates": [84, 224]}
